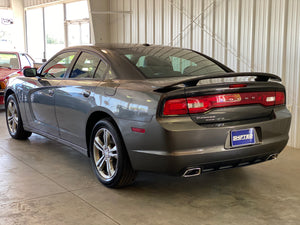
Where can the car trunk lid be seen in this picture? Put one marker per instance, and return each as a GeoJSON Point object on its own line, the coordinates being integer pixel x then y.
{"type": "Point", "coordinates": [219, 101]}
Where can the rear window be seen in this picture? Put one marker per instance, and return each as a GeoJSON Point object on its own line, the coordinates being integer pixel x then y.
{"type": "Point", "coordinates": [9, 60]}
{"type": "Point", "coordinates": [169, 62]}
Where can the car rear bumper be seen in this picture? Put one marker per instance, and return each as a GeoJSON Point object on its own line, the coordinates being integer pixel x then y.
{"type": "Point", "coordinates": [177, 147]}
{"type": "Point", "coordinates": [219, 159]}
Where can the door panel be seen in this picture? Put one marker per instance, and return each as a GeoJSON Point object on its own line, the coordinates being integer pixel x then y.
{"type": "Point", "coordinates": [74, 100]}
{"type": "Point", "coordinates": [42, 98]}
{"type": "Point", "coordinates": [42, 106]}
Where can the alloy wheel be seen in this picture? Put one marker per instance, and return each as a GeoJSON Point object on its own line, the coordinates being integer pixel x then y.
{"type": "Point", "coordinates": [105, 154]}
{"type": "Point", "coordinates": [12, 117]}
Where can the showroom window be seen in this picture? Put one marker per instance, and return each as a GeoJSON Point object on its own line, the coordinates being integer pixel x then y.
{"type": "Point", "coordinates": [51, 28]}
{"type": "Point", "coordinates": [6, 29]}
{"type": "Point", "coordinates": [78, 27]}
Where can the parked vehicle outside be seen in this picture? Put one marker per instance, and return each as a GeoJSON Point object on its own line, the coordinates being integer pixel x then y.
{"type": "Point", "coordinates": [150, 108]}
{"type": "Point", "coordinates": [11, 65]}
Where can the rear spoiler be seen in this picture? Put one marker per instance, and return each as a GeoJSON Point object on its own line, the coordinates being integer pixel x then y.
{"type": "Point", "coordinates": [193, 81]}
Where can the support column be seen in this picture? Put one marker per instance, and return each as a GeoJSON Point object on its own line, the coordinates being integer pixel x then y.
{"type": "Point", "coordinates": [19, 24]}
{"type": "Point", "coordinates": [99, 20]}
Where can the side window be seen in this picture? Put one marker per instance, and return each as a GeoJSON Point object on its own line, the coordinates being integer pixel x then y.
{"type": "Point", "coordinates": [58, 66]}
{"type": "Point", "coordinates": [24, 61]}
{"type": "Point", "coordinates": [100, 73]}
{"type": "Point", "coordinates": [110, 75]}
{"type": "Point", "coordinates": [85, 66]}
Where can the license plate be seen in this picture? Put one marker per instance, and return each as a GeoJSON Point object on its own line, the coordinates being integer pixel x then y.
{"type": "Point", "coordinates": [242, 137]}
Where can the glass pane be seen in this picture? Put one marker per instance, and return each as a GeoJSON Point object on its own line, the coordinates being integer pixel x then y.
{"type": "Point", "coordinates": [59, 65]}
{"type": "Point", "coordinates": [85, 66]}
{"type": "Point", "coordinates": [6, 30]}
{"type": "Point", "coordinates": [9, 61]}
{"type": "Point", "coordinates": [73, 34]}
{"type": "Point", "coordinates": [168, 62]}
{"type": "Point", "coordinates": [85, 33]}
{"type": "Point", "coordinates": [77, 10]}
{"type": "Point", "coordinates": [101, 71]}
{"type": "Point", "coordinates": [35, 37]}
{"type": "Point", "coordinates": [54, 26]}
{"type": "Point", "coordinates": [78, 33]}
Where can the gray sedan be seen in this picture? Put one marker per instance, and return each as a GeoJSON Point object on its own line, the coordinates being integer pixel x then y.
{"type": "Point", "coordinates": [150, 108]}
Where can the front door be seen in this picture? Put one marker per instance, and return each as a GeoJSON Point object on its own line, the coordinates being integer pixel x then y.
{"type": "Point", "coordinates": [42, 99]}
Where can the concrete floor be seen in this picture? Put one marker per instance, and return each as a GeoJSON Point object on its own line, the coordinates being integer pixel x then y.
{"type": "Point", "coordinates": [43, 182]}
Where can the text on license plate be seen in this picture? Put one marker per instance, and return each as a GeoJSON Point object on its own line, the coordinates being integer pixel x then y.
{"type": "Point", "coordinates": [242, 137]}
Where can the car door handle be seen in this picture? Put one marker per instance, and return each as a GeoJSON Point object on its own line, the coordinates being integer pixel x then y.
{"type": "Point", "coordinates": [86, 93]}
{"type": "Point", "coordinates": [51, 92]}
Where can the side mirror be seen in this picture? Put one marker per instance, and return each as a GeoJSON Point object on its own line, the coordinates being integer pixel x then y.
{"type": "Point", "coordinates": [30, 72]}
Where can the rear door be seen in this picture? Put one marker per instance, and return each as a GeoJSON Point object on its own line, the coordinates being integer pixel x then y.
{"type": "Point", "coordinates": [42, 99]}
{"type": "Point", "coordinates": [75, 98]}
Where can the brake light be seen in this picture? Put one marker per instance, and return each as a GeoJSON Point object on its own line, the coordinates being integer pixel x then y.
{"type": "Point", "coordinates": [202, 104]}
{"type": "Point", "coordinates": [175, 107]}
{"type": "Point", "coordinates": [237, 85]}
{"type": "Point", "coordinates": [280, 98]}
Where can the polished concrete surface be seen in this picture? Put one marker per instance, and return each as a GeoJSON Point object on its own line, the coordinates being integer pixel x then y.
{"type": "Point", "coordinates": [43, 182]}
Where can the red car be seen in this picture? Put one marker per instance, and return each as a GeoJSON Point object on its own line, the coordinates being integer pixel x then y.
{"type": "Point", "coordinates": [11, 65]}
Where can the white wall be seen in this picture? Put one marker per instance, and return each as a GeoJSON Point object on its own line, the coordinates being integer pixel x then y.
{"type": "Point", "coordinates": [246, 35]}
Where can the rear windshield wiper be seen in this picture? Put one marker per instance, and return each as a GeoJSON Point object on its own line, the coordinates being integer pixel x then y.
{"type": "Point", "coordinates": [193, 81]}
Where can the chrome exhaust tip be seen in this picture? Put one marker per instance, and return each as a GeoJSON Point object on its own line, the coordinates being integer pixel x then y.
{"type": "Point", "coordinates": [191, 172]}
{"type": "Point", "coordinates": [273, 156]}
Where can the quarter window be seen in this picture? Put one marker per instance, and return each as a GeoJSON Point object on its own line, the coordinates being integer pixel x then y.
{"type": "Point", "coordinates": [85, 66]}
{"type": "Point", "coordinates": [58, 66]}
{"type": "Point", "coordinates": [100, 73]}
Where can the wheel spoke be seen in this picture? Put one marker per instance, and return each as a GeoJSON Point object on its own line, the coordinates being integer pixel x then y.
{"type": "Point", "coordinates": [114, 149]}
{"type": "Point", "coordinates": [98, 144]}
{"type": "Point", "coordinates": [114, 156]}
{"type": "Point", "coordinates": [100, 162]}
{"type": "Point", "coordinates": [10, 108]}
{"type": "Point", "coordinates": [106, 138]}
{"type": "Point", "coordinates": [16, 120]}
{"type": "Point", "coordinates": [14, 126]}
{"type": "Point", "coordinates": [109, 168]}
{"type": "Point", "coordinates": [10, 118]}
{"type": "Point", "coordinates": [113, 152]}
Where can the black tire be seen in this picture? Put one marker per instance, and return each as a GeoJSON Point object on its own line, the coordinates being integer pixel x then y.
{"type": "Point", "coordinates": [109, 158]}
{"type": "Point", "coordinates": [13, 119]}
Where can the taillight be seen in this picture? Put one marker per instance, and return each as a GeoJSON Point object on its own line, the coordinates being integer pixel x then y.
{"type": "Point", "coordinates": [202, 104]}
{"type": "Point", "coordinates": [280, 98]}
{"type": "Point", "coordinates": [175, 107]}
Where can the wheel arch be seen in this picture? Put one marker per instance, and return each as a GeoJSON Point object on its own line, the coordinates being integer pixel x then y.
{"type": "Point", "coordinates": [8, 93]}
{"type": "Point", "coordinates": [92, 120]}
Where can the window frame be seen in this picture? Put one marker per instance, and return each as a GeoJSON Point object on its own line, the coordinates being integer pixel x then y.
{"type": "Point", "coordinates": [90, 78]}
{"type": "Point", "coordinates": [73, 66]}
{"type": "Point", "coordinates": [69, 68]}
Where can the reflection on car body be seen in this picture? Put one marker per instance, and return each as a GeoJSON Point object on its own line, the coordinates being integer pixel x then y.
{"type": "Point", "coordinates": [150, 108]}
